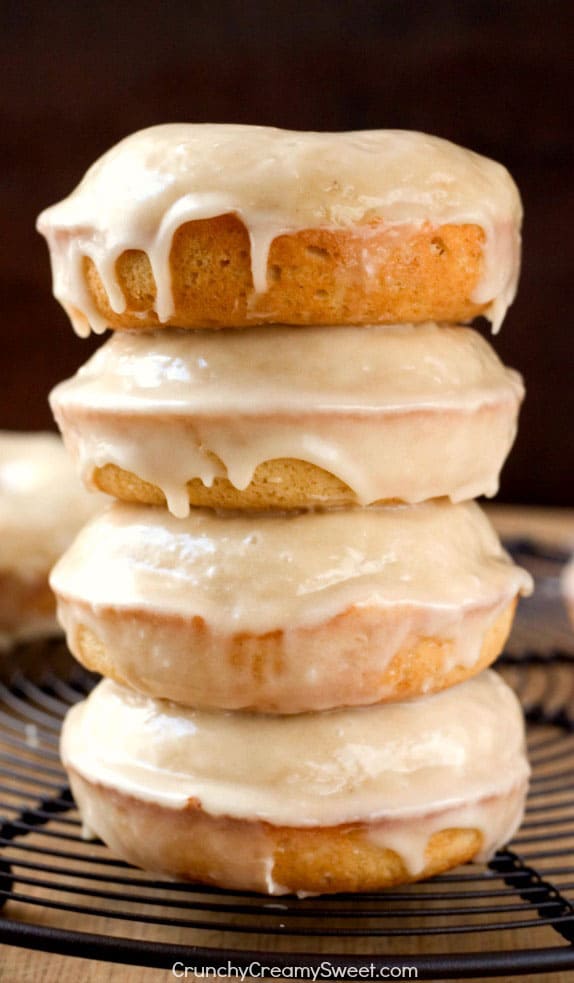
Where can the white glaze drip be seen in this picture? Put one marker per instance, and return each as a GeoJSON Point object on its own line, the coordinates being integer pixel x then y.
{"type": "Point", "coordinates": [339, 663]}
{"type": "Point", "coordinates": [173, 406]}
{"type": "Point", "coordinates": [243, 855]}
{"type": "Point", "coordinates": [276, 181]}
{"type": "Point", "coordinates": [497, 819]}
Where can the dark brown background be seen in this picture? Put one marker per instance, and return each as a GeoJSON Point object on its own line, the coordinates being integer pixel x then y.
{"type": "Point", "coordinates": [495, 76]}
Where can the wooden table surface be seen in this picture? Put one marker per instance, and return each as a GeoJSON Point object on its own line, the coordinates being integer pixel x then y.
{"type": "Point", "coordinates": [26, 966]}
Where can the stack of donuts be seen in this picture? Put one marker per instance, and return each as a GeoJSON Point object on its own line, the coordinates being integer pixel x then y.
{"type": "Point", "coordinates": [293, 600]}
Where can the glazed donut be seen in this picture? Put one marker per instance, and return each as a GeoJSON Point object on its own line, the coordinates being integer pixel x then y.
{"type": "Point", "coordinates": [278, 418]}
{"type": "Point", "coordinates": [347, 800]}
{"type": "Point", "coordinates": [286, 614]}
{"type": "Point", "coordinates": [42, 506]}
{"type": "Point", "coordinates": [222, 226]}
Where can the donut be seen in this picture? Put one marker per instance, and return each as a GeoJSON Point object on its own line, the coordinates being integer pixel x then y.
{"type": "Point", "coordinates": [286, 614]}
{"type": "Point", "coordinates": [346, 800]}
{"type": "Point", "coordinates": [42, 507]}
{"type": "Point", "coordinates": [278, 418]}
{"type": "Point", "coordinates": [214, 225]}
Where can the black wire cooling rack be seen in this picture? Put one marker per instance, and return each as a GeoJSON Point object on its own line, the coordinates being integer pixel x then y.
{"type": "Point", "coordinates": [61, 893]}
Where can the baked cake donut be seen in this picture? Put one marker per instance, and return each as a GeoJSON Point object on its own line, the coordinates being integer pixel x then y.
{"type": "Point", "coordinates": [286, 614]}
{"type": "Point", "coordinates": [42, 507]}
{"type": "Point", "coordinates": [346, 800]}
{"type": "Point", "coordinates": [215, 225]}
{"type": "Point", "coordinates": [279, 418]}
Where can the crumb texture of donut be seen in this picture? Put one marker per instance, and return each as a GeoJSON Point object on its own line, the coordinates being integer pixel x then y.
{"type": "Point", "coordinates": [316, 276]}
